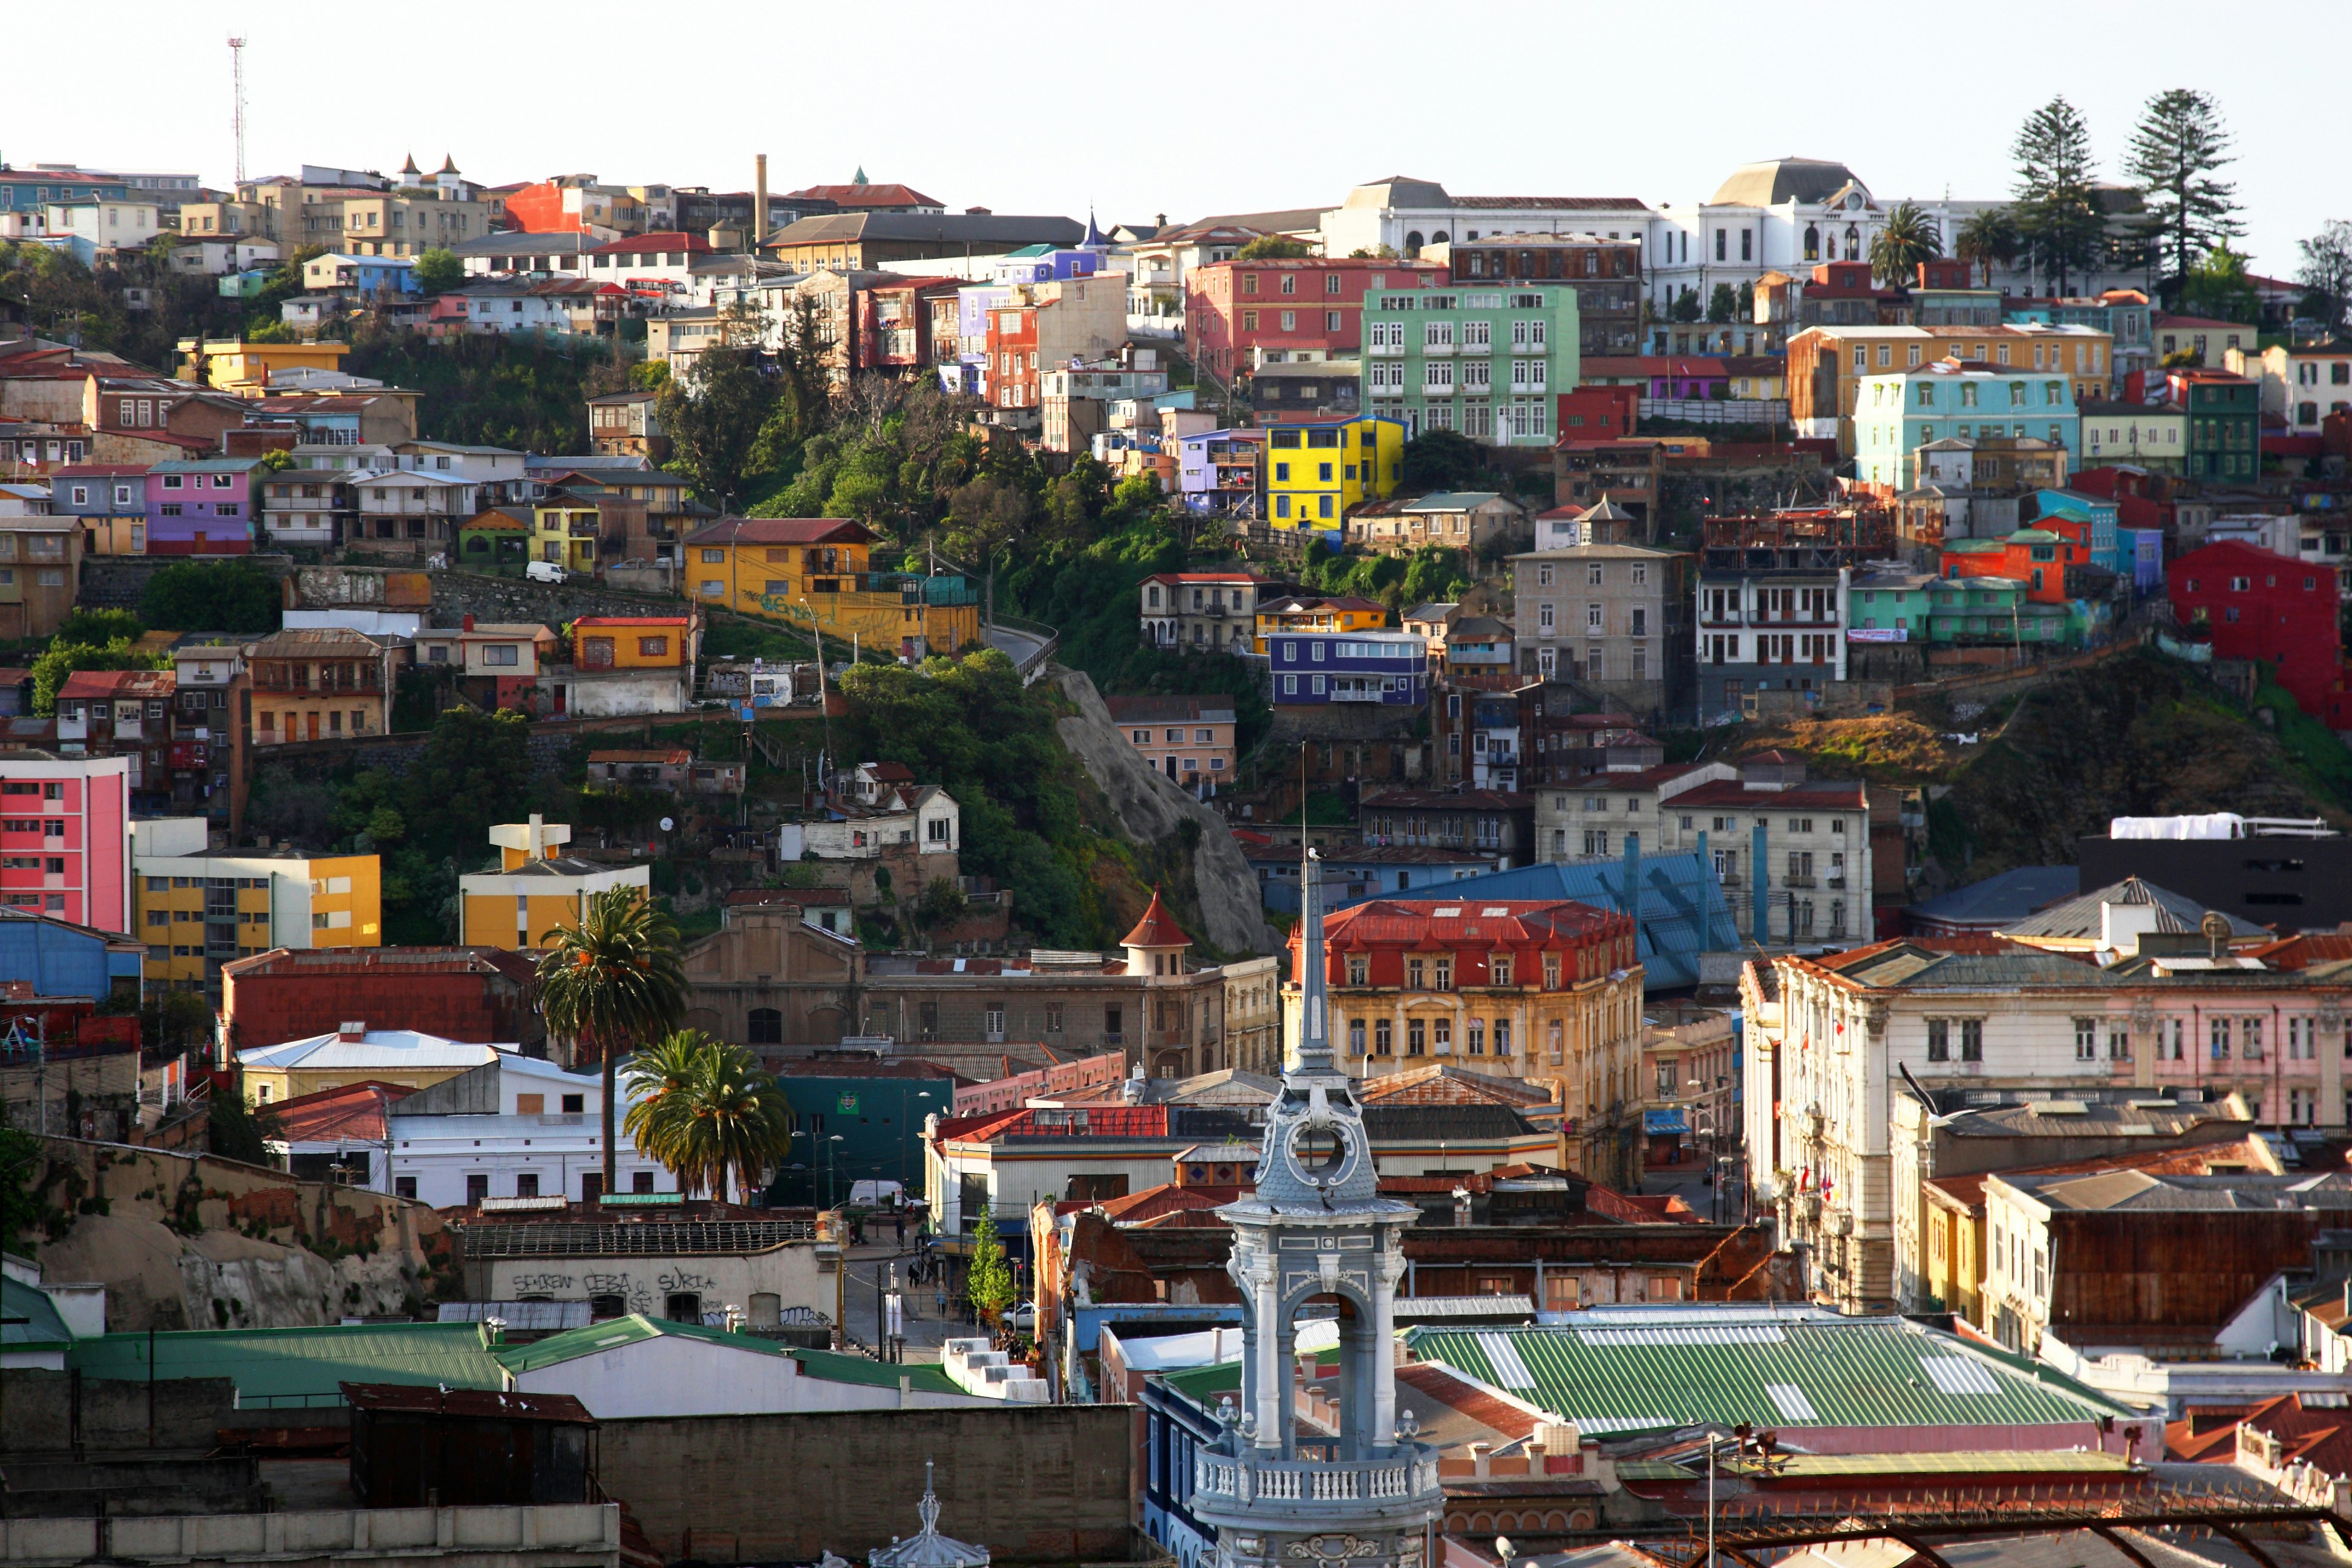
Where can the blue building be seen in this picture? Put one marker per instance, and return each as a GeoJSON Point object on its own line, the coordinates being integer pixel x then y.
{"type": "Point", "coordinates": [873, 1108]}
{"type": "Point", "coordinates": [1896, 412]}
{"type": "Point", "coordinates": [1309, 668]}
{"type": "Point", "coordinates": [2107, 540]}
{"type": "Point", "coordinates": [1675, 903]}
{"type": "Point", "coordinates": [58, 958]}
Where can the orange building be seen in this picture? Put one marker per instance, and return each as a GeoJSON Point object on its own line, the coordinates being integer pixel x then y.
{"type": "Point", "coordinates": [2037, 557]}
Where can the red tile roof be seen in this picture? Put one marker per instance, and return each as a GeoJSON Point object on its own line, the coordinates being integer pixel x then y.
{"type": "Point", "coordinates": [782, 530]}
{"type": "Point", "coordinates": [1512, 922]}
{"type": "Point", "coordinates": [1821, 795]}
{"type": "Point", "coordinates": [92, 683]}
{"type": "Point", "coordinates": [634, 621]}
{"type": "Point", "coordinates": [654, 244]}
{"type": "Point", "coordinates": [352, 1110]}
{"type": "Point", "coordinates": [1156, 929]}
{"type": "Point", "coordinates": [863, 195]}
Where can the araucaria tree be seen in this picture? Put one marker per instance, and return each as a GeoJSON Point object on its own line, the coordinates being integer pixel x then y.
{"type": "Point", "coordinates": [2180, 144]}
{"type": "Point", "coordinates": [2326, 271]}
{"type": "Point", "coordinates": [610, 982]}
{"type": "Point", "coordinates": [988, 1284]}
{"type": "Point", "coordinates": [2059, 219]}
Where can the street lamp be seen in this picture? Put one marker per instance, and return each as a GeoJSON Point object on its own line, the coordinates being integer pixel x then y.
{"type": "Point", "coordinates": [834, 1181]}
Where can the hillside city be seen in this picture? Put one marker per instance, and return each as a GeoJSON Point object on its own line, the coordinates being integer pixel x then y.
{"type": "Point", "coordinates": [749, 877]}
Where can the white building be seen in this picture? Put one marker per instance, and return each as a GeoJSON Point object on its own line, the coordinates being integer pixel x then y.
{"type": "Point", "coordinates": [217, 258]}
{"type": "Point", "coordinates": [514, 1127]}
{"type": "Point", "coordinates": [1407, 214]}
{"type": "Point", "coordinates": [107, 224]}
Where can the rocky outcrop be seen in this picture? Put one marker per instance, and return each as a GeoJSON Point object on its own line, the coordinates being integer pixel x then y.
{"type": "Point", "coordinates": [1153, 811]}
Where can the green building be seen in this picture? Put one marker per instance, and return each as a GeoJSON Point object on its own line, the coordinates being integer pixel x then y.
{"type": "Point", "coordinates": [858, 1122]}
{"type": "Point", "coordinates": [1489, 362]}
{"type": "Point", "coordinates": [1888, 606]}
{"type": "Point", "coordinates": [2225, 425]}
{"type": "Point", "coordinates": [1990, 612]}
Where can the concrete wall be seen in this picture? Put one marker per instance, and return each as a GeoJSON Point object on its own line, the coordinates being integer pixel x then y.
{"type": "Point", "coordinates": [574, 1535]}
{"type": "Point", "coordinates": [1053, 1483]}
{"type": "Point", "coordinates": [112, 1416]}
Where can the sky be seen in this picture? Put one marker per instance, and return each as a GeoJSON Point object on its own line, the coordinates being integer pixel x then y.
{"type": "Point", "coordinates": [1187, 108]}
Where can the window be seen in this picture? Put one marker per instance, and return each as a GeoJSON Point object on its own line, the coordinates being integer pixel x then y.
{"type": "Point", "coordinates": [1416, 1038]}
{"type": "Point", "coordinates": [2218, 1039]}
{"type": "Point", "coordinates": [1972, 1040]}
{"type": "Point", "coordinates": [1939, 1040]}
{"type": "Point", "coordinates": [1383, 1038]}
{"type": "Point", "coordinates": [2086, 1039]}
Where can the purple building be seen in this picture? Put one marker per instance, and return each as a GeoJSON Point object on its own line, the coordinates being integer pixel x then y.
{"type": "Point", "coordinates": [201, 508]}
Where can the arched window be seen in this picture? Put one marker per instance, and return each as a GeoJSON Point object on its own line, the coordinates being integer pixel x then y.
{"type": "Point", "coordinates": [1412, 242]}
{"type": "Point", "coordinates": [1438, 238]}
{"type": "Point", "coordinates": [1813, 243]}
{"type": "Point", "coordinates": [765, 1027]}
{"type": "Point", "coordinates": [1852, 243]}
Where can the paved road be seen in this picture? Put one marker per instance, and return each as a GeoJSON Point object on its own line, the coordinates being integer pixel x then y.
{"type": "Point", "coordinates": [1025, 649]}
{"type": "Point", "coordinates": [925, 1327]}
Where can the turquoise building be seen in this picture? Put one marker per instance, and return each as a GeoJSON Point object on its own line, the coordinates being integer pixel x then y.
{"type": "Point", "coordinates": [1898, 412]}
{"type": "Point", "coordinates": [2108, 546]}
{"type": "Point", "coordinates": [1995, 612]}
{"type": "Point", "coordinates": [1488, 363]}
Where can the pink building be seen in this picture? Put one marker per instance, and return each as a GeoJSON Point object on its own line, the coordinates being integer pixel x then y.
{"type": "Point", "coordinates": [65, 836]}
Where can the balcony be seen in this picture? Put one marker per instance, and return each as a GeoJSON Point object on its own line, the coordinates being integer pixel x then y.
{"type": "Point", "coordinates": [1437, 389]}
{"type": "Point", "coordinates": [1835, 883]}
{"type": "Point", "coordinates": [1248, 1488]}
{"type": "Point", "coordinates": [1385, 351]}
{"type": "Point", "coordinates": [1438, 351]}
{"type": "Point", "coordinates": [1796, 882]}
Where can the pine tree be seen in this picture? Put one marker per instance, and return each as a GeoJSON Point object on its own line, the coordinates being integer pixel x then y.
{"type": "Point", "coordinates": [2180, 144]}
{"type": "Point", "coordinates": [988, 1284]}
{"type": "Point", "coordinates": [2058, 216]}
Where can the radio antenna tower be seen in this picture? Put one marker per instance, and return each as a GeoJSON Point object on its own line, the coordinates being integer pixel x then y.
{"type": "Point", "coordinates": [236, 70]}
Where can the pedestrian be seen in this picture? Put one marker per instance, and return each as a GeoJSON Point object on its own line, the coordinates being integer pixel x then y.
{"type": "Point", "coordinates": [898, 1225]}
{"type": "Point", "coordinates": [942, 1294]}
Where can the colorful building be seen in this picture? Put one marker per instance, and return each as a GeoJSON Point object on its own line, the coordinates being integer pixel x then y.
{"type": "Point", "coordinates": [201, 508]}
{"type": "Point", "coordinates": [564, 529]}
{"type": "Point", "coordinates": [2225, 424]}
{"type": "Point", "coordinates": [2088, 519]}
{"type": "Point", "coordinates": [1283, 308]}
{"type": "Point", "coordinates": [1310, 668]}
{"type": "Point", "coordinates": [322, 683]}
{"type": "Point", "coordinates": [1896, 414]}
{"type": "Point", "coordinates": [232, 364]}
{"type": "Point", "coordinates": [1217, 471]}
{"type": "Point", "coordinates": [813, 572]}
{"type": "Point", "coordinates": [2145, 435]}
{"type": "Point", "coordinates": [634, 642]}
{"type": "Point", "coordinates": [65, 837]}
{"type": "Point", "coordinates": [1987, 610]}
{"type": "Point", "coordinates": [1486, 361]}
{"type": "Point", "coordinates": [198, 910]}
{"type": "Point", "coordinates": [2037, 557]}
{"type": "Point", "coordinates": [110, 500]}
{"type": "Point", "coordinates": [535, 888]}
{"type": "Point", "coordinates": [1315, 613]}
{"type": "Point", "coordinates": [1315, 472]}
{"type": "Point", "coordinates": [497, 539]}
{"type": "Point", "coordinates": [2255, 604]}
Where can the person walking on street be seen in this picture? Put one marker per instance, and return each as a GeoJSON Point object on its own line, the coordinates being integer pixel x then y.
{"type": "Point", "coordinates": [898, 1225]}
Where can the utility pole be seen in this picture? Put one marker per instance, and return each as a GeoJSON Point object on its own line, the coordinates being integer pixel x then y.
{"type": "Point", "coordinates": [237, 74]}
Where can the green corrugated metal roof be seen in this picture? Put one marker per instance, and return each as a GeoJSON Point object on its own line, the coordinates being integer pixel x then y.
{"type": "Point", "coordinates": [42, 1326]}
{"type": "Point", "coordinates": [301, 1366]}
{"type": "Point", "coordinates": [923, 1377]}
{"type": "Point", "coordinates": [573, 1343]}
{"type": "Point", "coordinates": [1881, 1372]}
{"type": "Point", "coordinates": [1990, 1462]}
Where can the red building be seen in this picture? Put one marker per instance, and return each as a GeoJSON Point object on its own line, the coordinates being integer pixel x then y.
{"type": "Point", "coordinates": [1599, 412]}
{"type": "Point", "coordinates": [481, 994]}
{"type": "Point", "coordinates": [2037, 557]}
{"type": "Point", "coordinates": [2257, 604]}
{"type": "Point", "coordinates": [1286, 306]}
{"type": "Point", "coordinates": [65, 836]}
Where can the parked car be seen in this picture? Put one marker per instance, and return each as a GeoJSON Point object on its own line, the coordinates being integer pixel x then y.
{"type": "Point", "coordinates": [545, 572]}
{"type": "Point", "coordinates": [1022, 1319]}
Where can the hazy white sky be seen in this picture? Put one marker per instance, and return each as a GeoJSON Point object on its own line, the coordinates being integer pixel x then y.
{"type": "Point", "coordinates": [1186, 108]}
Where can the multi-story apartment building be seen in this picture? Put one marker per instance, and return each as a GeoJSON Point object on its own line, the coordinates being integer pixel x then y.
{"type": "Point", "coordinates": [1609, 617]}
{"type": "Point", "coordinates": [209, 745]}
{"type": "Point", "coordinates": [535, 886]}
{"type": "Point", "coordinates": [1605, 274]}
{"type": "Point", "coordinates": [1486, 361]}
{"type": "Point", "coordinates": [122, 713]}
{"type": "Point", "coordinates": [1311, 669]}
{"type": "Point", "coordinates": [1769, 618]}
{"type": "Point", "coordinates": [2176, 1013]}
{"type": "Point", "coordinates": [2150, 435]}
{"type": "Point", "coordinates": [1792, 853]}
{"type": "Point", "coordinates": [40, 572]}
{"type": "Point", "coordinates": [1215, 611]}
{"type": "Point", "coordinates": [322, 683]}
{"type": "Point", "coordinates": [1317, 472]}
{"type": "Point", "coordinates": [1044, 326]}
{"type": "Point", "coordinates": [814, 572]}
{"type": "Point", "coordinates": [65, 836]}
{"type": "Point", "coordinates": [198, 910]}
{"type": "Point", "coordinates": [1548, 993]}
{"type": "Point", "coordinates": [1190, 739]}
{"type": "Point", "coordinates": [1239, 314]}
{"type": "Point", "coordinates": [1289, 612]}
{"type": "Point", "coordinates": [627, 424]}
{"type": "Point", "coordinates": [1827, 364]}
{"type": "Point", "coordinates": [201, 507]}
{"type": "Point", "coordinates": [2302, 384]}
{"type": "Point", "coordinates": [110, 500]}
{"type": "Point", "coordinates": [1898, 412]}
{"type": "Point", "coordinates": [1487, 821]}
{"type": "Point", "coordinates": [2224, 423]}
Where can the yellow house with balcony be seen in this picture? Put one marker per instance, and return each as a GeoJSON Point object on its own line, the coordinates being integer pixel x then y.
{"type": "Point", "coordinates": [1315, 472]}
{"type": "Point", "coordinates": [232, 364]}
{"type": "Point", "coordinates": [814, 572]}
{"type": "Point", "coordinates": [198, 910]}
{"type": "Point", "coordinates": [565, 531]}
{"type": "Point", "coordinates": [1316, 613]}
{"type": "Point", "coordinates": [535, 888]}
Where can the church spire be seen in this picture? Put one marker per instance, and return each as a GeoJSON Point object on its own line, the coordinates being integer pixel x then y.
{"type": "Point", "coordinates": [1314, 1054]}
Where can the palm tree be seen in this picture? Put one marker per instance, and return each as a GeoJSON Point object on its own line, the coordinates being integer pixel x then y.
{"type": "Point", "coordinates": [1909, 238]}
{"type": "Point", "coordinates": [1987, 239]}
{"type": "Point", "coordinates": [611, 980]}
{"type": "Point", "coordinates": [713, 1115]}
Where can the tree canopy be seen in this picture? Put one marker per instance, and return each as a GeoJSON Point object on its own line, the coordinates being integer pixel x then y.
{"type": "Point", "coordinates": [2179, 144]}
{"type": "Point", "coordinates": [2060, 221]}
{"type": "Point", "coordinates": [213, 597]}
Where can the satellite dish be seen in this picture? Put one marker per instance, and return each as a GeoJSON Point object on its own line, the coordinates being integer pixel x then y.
{"type": "Point", "coordinates": [667, 824]}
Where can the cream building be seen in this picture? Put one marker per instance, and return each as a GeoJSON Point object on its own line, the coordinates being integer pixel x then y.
{"type": "Point", "coordinates": [535, 888]}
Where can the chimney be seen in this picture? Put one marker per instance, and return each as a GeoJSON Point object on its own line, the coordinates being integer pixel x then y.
{"type": "Point", "coordinates": [467, 623]}
{"type": "Point", "coordinates": [349, 1032]}
{"type": "Point", "coordinates": [759, 201]}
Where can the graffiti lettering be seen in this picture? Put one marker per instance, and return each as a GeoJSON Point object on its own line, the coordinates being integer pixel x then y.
{"type": "Point", "coordinates": [604, 1284]}
{"type": "Point", "coordinates": [681, 1279]}
{"type": "Point", "coordinates": [536, 1282]}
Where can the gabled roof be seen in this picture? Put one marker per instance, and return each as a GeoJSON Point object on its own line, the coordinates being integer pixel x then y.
{"type": "Point", "coordinates": [2080, 918]}
{"type": "Point", "coordinates": [781, 531]}
{"type": "Point", "coordinates": [352, 1110]}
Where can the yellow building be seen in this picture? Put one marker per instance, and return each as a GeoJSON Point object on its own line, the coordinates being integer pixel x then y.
{"type": "Point", "coordinates": [564, 531]}
{"type": "Point", "coordinates": [355, 1053]}
{"type": "Point", "coordinates": [634, 642]}
{"type": "Point", "coordinates": [535, 889]}
{"type": "Point", "coordinates": [813, 571]}
{"type": "Point", "coordinates": [1315, 473]}
{"type": "Point", "coordinates": [1315, 613]}
{"type": "Point", "coordinates": [231, 364]}
{"type": "Point", "coordinates": [196, 911]}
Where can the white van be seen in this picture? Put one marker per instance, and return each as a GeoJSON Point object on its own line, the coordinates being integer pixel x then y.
{"type": "Point", "coordinates": [545, 572]}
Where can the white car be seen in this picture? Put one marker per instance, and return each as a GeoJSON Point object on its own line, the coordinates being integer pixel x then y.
{"type": "Point", "coordinates": [1022, 1318]}
{"type": "Point", "coordinates": [545, 571]}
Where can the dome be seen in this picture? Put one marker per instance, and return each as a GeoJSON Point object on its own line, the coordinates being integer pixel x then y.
{"type": "Point", "coordinates": [1778, 180]}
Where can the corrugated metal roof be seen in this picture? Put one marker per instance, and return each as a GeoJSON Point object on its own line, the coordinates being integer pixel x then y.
{"type": "Point", "coordinates": [379, 1048]}
{"type": "Point", "coordinates": [41, 1324]}
{"type": "Point", "coordinates": [634, 1328]}
{"type": "Point", "coordinates": [1881, 1372]}
{"type": "Point", "coordinates": [300, 1367]}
